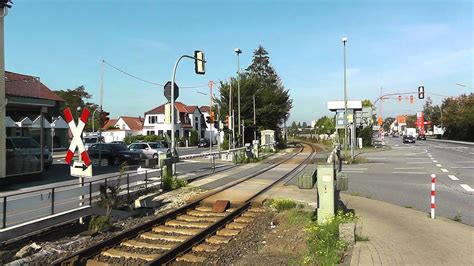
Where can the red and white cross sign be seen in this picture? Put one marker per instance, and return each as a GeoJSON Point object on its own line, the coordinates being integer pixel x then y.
{"type": "Point", "coordinates": [76, 135]}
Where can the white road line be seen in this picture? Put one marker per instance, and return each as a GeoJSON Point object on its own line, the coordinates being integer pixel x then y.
{"type": "Point", "coordinates": [444, 170]}
{"type": "Point", "coordinates": [354, 169]}
{"type": "Point", "coordinates": [467, 188]}
{"type": "Point", "coordinates": [463, 167]}
{"type": "Point", "coordinates": [471, 153]}
{"type": "Point", "coordinates": [453, 177]}
{"type": "Point", "coordinates": [417, 158]}
{"type": "Point", "coordinates": [435, 161]}
{"type": "Point", "coordinates": [418, 162]}
{"type": "Point", "coordinates": [355, 172]}
{"type": "Point", "coordinates": [370, 163]}
{"type": "Point", "coordinates": [439, 165]}
{"type": "Point", "coordinates": [411, 173]}
{"type": "Point", "coordinates": [465, 162]}
{"type": "Point", "coordinates": [408, 168]}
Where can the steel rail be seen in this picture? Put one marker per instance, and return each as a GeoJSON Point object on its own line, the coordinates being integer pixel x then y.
{"type": "Point", "coordinates": [170, 255]}
{"type": "Point", "coordinates": [80, 257]}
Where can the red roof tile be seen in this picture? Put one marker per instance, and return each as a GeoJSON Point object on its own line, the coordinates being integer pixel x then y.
{"type": "Point", "coordinates": [204, 108]}
{"type": "Point", "coordinates": [134, 123]}
{"type": "Point", "coordinates": [28, 86]}
{"type": "Point", "coordinates": [161, 109]}
{"type": "Point", "coordinates": [110, 123]}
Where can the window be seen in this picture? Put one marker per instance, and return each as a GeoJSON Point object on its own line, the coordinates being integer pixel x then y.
{"type": "Point", "coordinates": [150, 132]}
{"type": "Point", "coordinates": [152, 119]}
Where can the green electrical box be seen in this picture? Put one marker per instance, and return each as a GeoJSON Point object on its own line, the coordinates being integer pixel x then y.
{"type": "Point", "coordinates": [326, 192]}
{"type": "Point", "coordinates": [307, 178]}
{"type": "Point", "coordinates": [342, 182]}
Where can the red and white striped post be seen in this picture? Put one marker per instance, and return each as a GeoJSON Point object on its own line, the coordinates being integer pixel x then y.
{"type": "Point", "coordinates": [433, 193]}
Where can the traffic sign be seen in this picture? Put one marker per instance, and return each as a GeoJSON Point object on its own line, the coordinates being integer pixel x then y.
{"type": "Point", "coordinates": [168, 91]}
{"type": "Point", "coordinates": [78, 168]}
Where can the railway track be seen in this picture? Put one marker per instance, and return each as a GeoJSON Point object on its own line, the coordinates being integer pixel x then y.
{"type": "Point", "coordinates": [187, 233]}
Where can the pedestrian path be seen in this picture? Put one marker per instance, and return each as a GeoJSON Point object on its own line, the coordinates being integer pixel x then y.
{"type": "Point", "coordinates": [401, 236]}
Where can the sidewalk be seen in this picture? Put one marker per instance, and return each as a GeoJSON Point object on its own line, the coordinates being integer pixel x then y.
{"type": "Point", "coordinates": [451, 141]}
{"type": "Point", "coordinates": [400, 236]}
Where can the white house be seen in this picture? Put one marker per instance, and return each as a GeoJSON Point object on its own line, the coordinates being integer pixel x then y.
{"type": "Point", "coordinates": [118, 129]}
{"type": "Point", "coordinates": [205, 110]}
{"type": "Point", "coordinates": [188, 118]}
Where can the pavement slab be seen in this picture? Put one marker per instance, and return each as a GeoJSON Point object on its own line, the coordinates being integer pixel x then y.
{"type": "Point", "coordinates": [400, 236]}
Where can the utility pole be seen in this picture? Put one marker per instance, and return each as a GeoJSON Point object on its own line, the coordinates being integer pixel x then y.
{"type": "Point", "coordinates": [231, 123]}
{"type": "Point", "coordinates": [101, 103]}
{"type": "Point", "coordinates": [211, 124]}
{"type": "Point", "coordinates": [344, 41]}
{"type": "Point", "coordinates": [254, 120]}
{"type": "Point", "coordinates": [238, 52]}
{"type": "Point", "coordinates": [3, 103]}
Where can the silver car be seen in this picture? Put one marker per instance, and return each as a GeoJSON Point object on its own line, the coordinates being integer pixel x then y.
{"type": "Point", "coordinates": [149, 149]}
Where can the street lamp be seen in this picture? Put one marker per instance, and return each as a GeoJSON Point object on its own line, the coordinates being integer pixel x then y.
{"type": "Point", "coordinates": [238, 52]}
{"type": "Point", "coordinates": [344, 41]}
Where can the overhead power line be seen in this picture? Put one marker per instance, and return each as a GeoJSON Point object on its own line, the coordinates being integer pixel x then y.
{"type": "Point", "coordinates": [147, 81]}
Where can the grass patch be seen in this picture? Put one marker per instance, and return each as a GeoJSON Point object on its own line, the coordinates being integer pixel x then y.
{"type": "Point", "coordinates": [100, 223]}
{"type": "Point", "coordinates": [324, 245]}
{"type": "Point", "coordinates": [408, 207]}
{"type": "Point", "coordinates": [357, 194]}
{"type": "Point", "coordinates": [458, 218]}
{"type": "Point", "coordinates": [282, 204]}
{"type": "Point", "coordinates": [361, 238]}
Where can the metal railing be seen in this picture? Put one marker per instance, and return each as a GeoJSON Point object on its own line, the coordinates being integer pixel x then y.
{"type": "Point", "coordinates": [26, 206]}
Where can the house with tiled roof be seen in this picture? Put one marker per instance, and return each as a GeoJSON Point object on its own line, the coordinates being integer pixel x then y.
{"type": "Point", "coordinates": [188, 118]}
{"type": "Point", "coordinates": [118, 129]}
{"type": "Point", "coordinates": [210, 128]}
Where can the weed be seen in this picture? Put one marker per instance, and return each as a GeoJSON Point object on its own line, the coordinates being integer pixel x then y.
{"type": "Point", "coordinates": [357, 194]}
{"type": "Point", "coordinates": [282, 204]}
{"type": "Point", "coordinates": [100, 223]}
{"type": "Point", "coordinates": [408, 207]}
{"type": "Point", "coordinates": [361, 238]}
{"type": "Point", "coordinates": [324, 245]}
{"type": "Point", "coordinates": [458, 218]}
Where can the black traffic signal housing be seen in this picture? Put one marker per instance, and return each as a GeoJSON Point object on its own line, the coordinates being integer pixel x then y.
{"type": "Point", "coordinates": [6, 3]}
{"type": "Point", "coordinates": [208, 120]}
{"type": "Point", "coordinates": [421, 92]}
{"type": "Point", "coordinates": [216, 124]}
{"type": "Point", "coordinates": [199, 63]}
{"type": "Point", "coordinates": [104, 118]}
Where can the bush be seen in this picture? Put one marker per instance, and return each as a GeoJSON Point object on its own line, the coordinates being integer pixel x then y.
{"type": "Point", "coordinates": [366, 135]}
{"type": "Point", "coordinates": [282, 204]}
{"type": "Point", "coordinates": [100, 223]}
{"type": "Point", "coordinates": [324, 246]}
{"type": "Point", "coordinates": [148, 138]}
{"type": "Point", "coordinates": [193, 139]}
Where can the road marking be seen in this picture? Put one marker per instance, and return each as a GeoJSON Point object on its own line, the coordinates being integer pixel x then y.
{"type": "Point", "coordinates": [467, 188]}
{"type": "Point", "coordinates": [462, 167]}
{"type": "Point", "coordinates": [435, 161]}
{"type": "Point", "coordinates": [465, 162]}
{"type": "Point", "coordinates": [471, 153]}
{"type": "Point", "coordinates": [355, 169]}
{"type": "Point", "coordinates": [417, 162]}
{"type": "Point", "coordinates": [416, 158]}
{"type": "Point", "coordinates": [411, 173]}
{"type": "Point", "coordinates": [355, 172]}
{"type": "Point", "coordinates": [439, 165]}
{"type": "Point", "coordinates": [453, 177]}
{"type": "Point", "coordinates": [444, 170]}
{"type": "Point", "coordinates": [370, 163]}
{"type": "Point", "coordinates": [408, 168]}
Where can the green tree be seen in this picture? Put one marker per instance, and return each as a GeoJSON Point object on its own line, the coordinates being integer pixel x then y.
{"type": "Point", "coordinates": [293, 125]}
{"type": "Point", "coordinates": [325, 125]}
{"type": "Point", "coordinates": [432, 112]}
{"type": "Point", "coordinates": [458, 117]}
{"type": "Point", "coordinates": [387, 122]}
{"type": "Point", "coordinates": [272, 100]}
{"type": "Point", "coordinates": [367, 103]}
{"type": "Point", "coordinates": [305, 125]}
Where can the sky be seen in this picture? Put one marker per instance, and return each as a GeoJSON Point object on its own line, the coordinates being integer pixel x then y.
{"type": "Point", "coordinates": [393, 47]}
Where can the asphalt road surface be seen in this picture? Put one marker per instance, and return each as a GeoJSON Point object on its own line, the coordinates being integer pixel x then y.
{"type": "Point", "coordinates": [402, 176]}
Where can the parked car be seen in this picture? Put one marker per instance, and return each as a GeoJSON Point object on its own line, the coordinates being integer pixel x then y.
{"type": "Point", "coordinates": [119, 142]}
{"type": "Point", "coordinates": [408, 139]}
{"type": "Point", "coordinates": [421, 136]}
{"type": "Point", "coordinates": [91, 140]}
{"type": "Point", "coordinates": [203, 143]}
{"type": "Point", "coordinates": [27, 147]}
{"type": "Point", "coordinates": [149, 149]}
{"type": "Point", "coordinates": [116, 154]}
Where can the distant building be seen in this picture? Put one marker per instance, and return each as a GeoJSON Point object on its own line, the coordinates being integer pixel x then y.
{"type": "Point", "coordinates": [188, 118]}
{"type": "Point", "coordinates": [313, 123]}
{"type": "Point", "coordinates": [124, 126]}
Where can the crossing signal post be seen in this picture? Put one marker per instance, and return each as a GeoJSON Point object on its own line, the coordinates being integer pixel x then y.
{"type": "Point", "coordinates": [421, 92]}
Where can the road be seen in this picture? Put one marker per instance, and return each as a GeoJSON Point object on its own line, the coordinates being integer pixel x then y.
{"type": "Point", "coordinates": [402, 176]}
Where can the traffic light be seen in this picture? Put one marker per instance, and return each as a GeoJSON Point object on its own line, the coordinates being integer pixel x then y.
{"type": "Point", "coordinates": [208, 120]}
{"type": "Point", "coordinates": [216, 124]}
{"type": "Point", "coordinates": [104, 118]}
{"type": "Point", "coordinates": [399, 98]}
{"type": "Point", "coordinates": [5, 3]}
{"type": "Point", "coordinates": [212, 117]}
{"type": "Point", "coordinates": [380, 120]}
{"type": "Point", "coordinates": [412, 99]}
{"type": "Point", "coordinates": [199, 63]}
{"type": "Point", "coordinates": [421, 92]}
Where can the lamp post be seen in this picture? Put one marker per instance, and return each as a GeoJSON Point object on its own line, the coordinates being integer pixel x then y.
{"type": "Point", "coordinates": [93, 121]}
{"type": "Point", "coordinates": [344, 41]}
{"type": "Point", "coordinates": [3, 13]}
{"type": "Point", "coordinates": [238, 52]}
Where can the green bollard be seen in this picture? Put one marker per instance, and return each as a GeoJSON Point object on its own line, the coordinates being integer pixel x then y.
{"type": "Point", "coordinates": [326, 193]}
